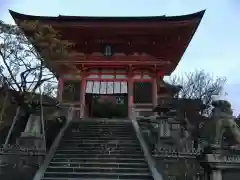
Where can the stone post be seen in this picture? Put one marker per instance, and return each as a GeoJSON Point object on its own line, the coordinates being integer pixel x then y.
{"type": "Point", "coordinates": [216, 174]}
{"type": "Point", "coordinates": [33, 127]}
{"type": "Point", "coordinates": [213, 162]}
{"type": "Point", "coordinates": [32, 137]}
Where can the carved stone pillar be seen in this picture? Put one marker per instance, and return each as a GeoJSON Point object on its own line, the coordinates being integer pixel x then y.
{"type": "Point", "coordinates": [161, 128]}
{"type": "Point", "coordinates": [32, 137]}
{"type": "Point", "coordinates": [33, 127]}
{"type": "Point", "coordinates": [216, 175]}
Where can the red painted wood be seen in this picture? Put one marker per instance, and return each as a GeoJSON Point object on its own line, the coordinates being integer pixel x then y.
{"type": "Point", "coordinates": [106, 80]}
{"type": "Point", "coordinates": [129, 27]}
{"type": "Point", "coordinates": [142, 80]}
{"type": "Point", "coordinates": [118, 62]}
{"type": "Point", "coordinates": [61, 86]}
{"type": "Point", "coordinates": [150, 70]}
{"type": "Point", "coordinates": [133, 73]}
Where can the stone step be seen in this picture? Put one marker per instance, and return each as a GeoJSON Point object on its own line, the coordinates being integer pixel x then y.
{"type": "Point", "coordinates": [100, 158]}
{"type": "Point", "coordinates": [81, 126]}
{"type": "Point", "coordinates": [125, 134]}
{"type": "Point", "coordinates": [102, 133]}
{"type": "Point", "coordinates": [97, 145]}
{"type": "Point", "coordinates": [79, 143]}
{"type": "Point", "coordinates": [104, 126]}
{"type": "Point", "coordinates": [99, 175]}
{"type": "Point", "coordinates": [100, 141]}
{"type": "Point", "coordinates": [105, 121]}
{"type": "Point", "coordinates": [97, 156]}
{"type": "Point", "coordinates": [95, 137]}
{"type": "Point", "coordinates": [99, 151]}
{"type": "Point", "coordinates": [59, 178]}
{"type": "Point", "coordinates": [100, 164]}
{"type": "Point", "coordinates": [101, 147]}
{"type": "Point", "coordinates": [112, 126]}
{"type": "Point", "coordinates": [87, 122]}
{"type": "Point", "coordinates": [97, 169]}
{"type": "Point", "coordinates": [99, 130]}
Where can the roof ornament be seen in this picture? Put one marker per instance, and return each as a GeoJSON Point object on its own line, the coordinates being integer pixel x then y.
{"type": "Point", "coordinates": [108, 51]}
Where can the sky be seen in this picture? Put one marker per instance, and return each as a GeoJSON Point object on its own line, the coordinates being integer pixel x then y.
{"type": "Point", "coordinates": [215, 46]}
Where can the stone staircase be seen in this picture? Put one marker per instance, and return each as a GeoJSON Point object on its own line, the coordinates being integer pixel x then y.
{"type": "Point", "coordinates": [98, 150]}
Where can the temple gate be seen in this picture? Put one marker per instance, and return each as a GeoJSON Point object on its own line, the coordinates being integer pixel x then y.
{"type": "Point", "coordinates": [131, 52]}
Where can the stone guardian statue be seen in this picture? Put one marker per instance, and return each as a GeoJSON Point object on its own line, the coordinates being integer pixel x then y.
{"type": "Point", "coordinates": [223, 120]}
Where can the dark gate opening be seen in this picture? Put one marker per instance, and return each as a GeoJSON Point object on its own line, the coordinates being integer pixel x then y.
{"type": "Point", "coordinates": [107, 106]}
{"type": "Point", "coordinates": [106, 99]}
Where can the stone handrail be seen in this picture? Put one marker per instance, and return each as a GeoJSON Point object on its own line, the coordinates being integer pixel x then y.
{"type": "Point", "coordinates": [151, 163]}
{"type": "Point", "coordinates": [40, 173]}
{"type": "Point", "coordinates": [12, 126]}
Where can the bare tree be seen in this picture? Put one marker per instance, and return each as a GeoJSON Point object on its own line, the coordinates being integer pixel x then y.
{"type": "Point", "coordinates": [4, 99]}
{"type": "Point", "coordinates": [50, 89]}
{"type": "Point", "coordinates": [21, 60]}
{"type": "Point", "coordinates": [199, 85]}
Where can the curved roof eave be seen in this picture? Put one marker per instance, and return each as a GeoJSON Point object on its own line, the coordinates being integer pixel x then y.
{"type": "Point", "coordinates": [197, 15]}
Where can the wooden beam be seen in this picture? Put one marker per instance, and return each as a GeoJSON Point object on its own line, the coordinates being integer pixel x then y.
{"type": "Point", "coordinates": [109, 62]}
{"type": "Point", "coordinates": [127, 25]}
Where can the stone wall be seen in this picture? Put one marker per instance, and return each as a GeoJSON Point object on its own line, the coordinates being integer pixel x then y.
{"type": "Point", "coordinates": [16, 161]}
{"type": "Point", "coordinates": [19, 164]}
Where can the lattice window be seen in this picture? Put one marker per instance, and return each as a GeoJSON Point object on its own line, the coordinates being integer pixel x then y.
{"type": "Point", "coordinates": [71, 90]}
{"type": "Point", "coordinates": [109, 87]}
{"type": "Point", "coordinates": [142, 92]}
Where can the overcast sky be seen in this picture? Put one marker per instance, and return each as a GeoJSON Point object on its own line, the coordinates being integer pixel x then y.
{"type": "Point", "coordinates": [215, 46]}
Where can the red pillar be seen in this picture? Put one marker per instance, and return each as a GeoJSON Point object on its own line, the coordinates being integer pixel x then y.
{"type": "Point", "coordinates": [159, 78]}
{"type": "Point", "coordinates": [130, 96]}
{"type": "Point", "coordinates": [82, 96]}
{"type": "Point", "coordinates": [154, 92]}
{"type": "Point", "coordinates": [60, 88]}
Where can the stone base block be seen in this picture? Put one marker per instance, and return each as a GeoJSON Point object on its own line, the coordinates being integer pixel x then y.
{"type": "Point", "coordinates": [29, 134]}
{"type": "Point", "coordinates": [31, 142]}
{"type": "Point", "coordinates": [19, 165]}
